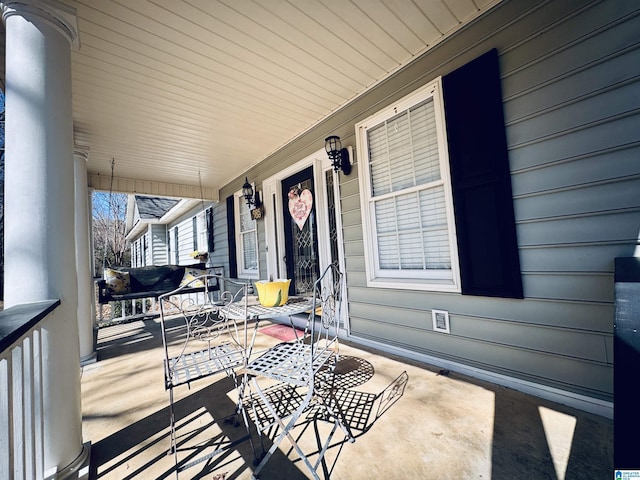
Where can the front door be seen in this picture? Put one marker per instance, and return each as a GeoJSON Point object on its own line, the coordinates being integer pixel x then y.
{"type": "Point", "coordinates": [302, 257]}
{"type": "Point", "coordinates": [298, 249]}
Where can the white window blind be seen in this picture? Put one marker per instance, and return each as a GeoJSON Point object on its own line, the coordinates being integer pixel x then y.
{"type": "Point", "coordinates": [403, 151]}
{"type": "Point", "coordinates": [202, 232]}
{"type": "Point", "coordinates": [247, 239]}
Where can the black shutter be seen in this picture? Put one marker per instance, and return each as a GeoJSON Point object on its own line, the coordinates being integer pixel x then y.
{"type": "Point", "coordinates": [231, 238]}
{"type": "Point", "coordinates": [210, 236]}
{"type": "Point", "coordinates": [482, 196]}
{"type": "Point", "coordinates": [176, 252]}
{"type": "Point", "coordinates": [626, 351]}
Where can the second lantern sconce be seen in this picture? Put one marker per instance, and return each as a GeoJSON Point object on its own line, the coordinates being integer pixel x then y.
{"type": "Point", "coordinates": [252, 200]}
{"type": "Point", "coordinates": [247, 193]}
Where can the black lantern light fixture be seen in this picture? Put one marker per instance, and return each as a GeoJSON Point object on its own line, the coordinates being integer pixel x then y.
{"type": "Point", "coordinates": [339, 156]}
{"type": "Point", "coordinates": [247, 193]}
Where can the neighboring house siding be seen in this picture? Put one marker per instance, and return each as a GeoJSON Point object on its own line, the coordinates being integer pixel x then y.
{"type": "Point", "coordinates": [570, 76]}
{"type": "Point", "coordinates": [185, 226]}
{"type": "Point", "coordinates": [135, 255]}
{"type": "Point", "coordinates": [157, 232]}
{"type": "Point", "coordinates": [136, 214]}
{"type": "Point", "coordinates": [185, 242]}
{"type": "Point", "coordinates": [140, 257]}
{"type": "Point", "coordinates": [158, 252]}
{"type": "Point", "coordinates": [171, 250]}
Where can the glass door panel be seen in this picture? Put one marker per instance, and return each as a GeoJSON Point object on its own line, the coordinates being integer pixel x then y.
{"type": "Point", "coordinates": [301, 237]}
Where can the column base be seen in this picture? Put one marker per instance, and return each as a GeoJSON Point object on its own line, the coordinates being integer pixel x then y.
{"type": "Point", "coordinates": [88, 359]}
{"type": "Point", "coordinates": [76, 470]}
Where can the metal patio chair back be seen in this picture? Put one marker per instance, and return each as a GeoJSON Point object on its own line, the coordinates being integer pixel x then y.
{"type": "Point", "coordinates": [200, 341]}
{"type": "Point", "coordinates": [302, 370]}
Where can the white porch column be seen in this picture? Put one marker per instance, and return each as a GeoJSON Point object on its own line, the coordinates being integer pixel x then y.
{"type": "Point", "coordinates": [86, 317]}
{"type": "Point", "coordinates": [40, 259]}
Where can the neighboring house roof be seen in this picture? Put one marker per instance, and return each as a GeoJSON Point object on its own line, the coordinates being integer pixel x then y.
{"type": "Point", "coordinates": [154, 208]}
{"type": "Point", "coordinates": [143, 210]}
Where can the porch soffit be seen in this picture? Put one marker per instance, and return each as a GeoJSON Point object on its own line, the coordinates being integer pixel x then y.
{"type": "Point", "coordinates": [179, 92]}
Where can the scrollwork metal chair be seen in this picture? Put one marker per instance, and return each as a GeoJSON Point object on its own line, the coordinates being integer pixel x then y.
{"type": "Point", "coordinates": [199, 341]}
{"type": "Point", "coordinates": [292, 378]}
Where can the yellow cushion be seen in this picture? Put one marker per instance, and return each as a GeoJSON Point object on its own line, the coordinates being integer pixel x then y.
{"type": "Point", "coordinates": [189, 278]}
{"type": "Point", "coordinates": [118, 282]}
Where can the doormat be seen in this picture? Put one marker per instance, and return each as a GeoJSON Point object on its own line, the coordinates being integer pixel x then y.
{"type": "Point", "coordinates": [284, 333]}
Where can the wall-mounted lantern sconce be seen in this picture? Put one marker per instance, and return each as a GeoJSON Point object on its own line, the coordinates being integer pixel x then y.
{"type": "Point", "coordinates": [247, 193]}
{"type": "Point", "coordinates": [252, 200]}
{"type": "Point", "coordinates": [339, 156]}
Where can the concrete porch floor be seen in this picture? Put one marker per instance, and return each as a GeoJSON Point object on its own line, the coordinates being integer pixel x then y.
{"type": "Point", "coordinates": [442, 426]}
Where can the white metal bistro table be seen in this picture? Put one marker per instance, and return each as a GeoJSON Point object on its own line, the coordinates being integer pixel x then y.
{"type": "Point", "coordinates": [248, 310]}
{"type": "Point", "coordinates": [245, 311]}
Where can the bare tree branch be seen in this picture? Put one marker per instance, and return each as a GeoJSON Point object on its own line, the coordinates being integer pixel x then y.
{"type": "Point", "coordinates": [109, 231]}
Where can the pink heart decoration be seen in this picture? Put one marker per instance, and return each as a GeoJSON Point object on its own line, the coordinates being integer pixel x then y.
{"type": "Point", "coordinates": [300, 207]}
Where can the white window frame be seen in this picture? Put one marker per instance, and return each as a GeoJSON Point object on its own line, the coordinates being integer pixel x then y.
{"type": "Point", "coordinates": [438, 280]}
{"type": "Point", "coordinates": [243, 271]}
{"type": "Point", "coordinates": [201, 222]}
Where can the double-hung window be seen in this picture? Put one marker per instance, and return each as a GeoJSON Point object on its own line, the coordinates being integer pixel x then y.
{"type": "Point", "coordinates": [407, 206]}
{"type": "Point", "coordinates": [246, 239]}
{"type": "Point", "coordinates": [200, 232]}
{"type": "Point", "coordinates": [194, 232]}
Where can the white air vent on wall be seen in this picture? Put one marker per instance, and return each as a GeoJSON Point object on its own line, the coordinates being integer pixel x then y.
{"type": "Point", "coordinates": [440, 320]}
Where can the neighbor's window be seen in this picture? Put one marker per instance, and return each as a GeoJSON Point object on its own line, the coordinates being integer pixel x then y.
{"type": "Point", "coordinates": [246, 239]}
{"type": "Point", "coordinates": [194, 232]}
{"type": "Point", "coordinates": [406, 197]}
{"type": "Point", "coordinates": [200, 232]}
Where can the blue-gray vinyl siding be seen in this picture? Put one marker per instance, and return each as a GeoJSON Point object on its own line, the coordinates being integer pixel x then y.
{"type": "Point", "coordinates": [570, 74]}
{"type": "Point", "coordinates": [570, 105]}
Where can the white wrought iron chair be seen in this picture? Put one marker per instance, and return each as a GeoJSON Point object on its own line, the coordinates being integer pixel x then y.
{"type": "Point", "coordinates": [199, 341]}
{"type": "Point", "coordinates": [293, 378]}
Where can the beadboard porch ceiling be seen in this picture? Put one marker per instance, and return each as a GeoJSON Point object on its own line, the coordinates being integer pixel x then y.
{"type": "Point", "coordinates": [185, 92]}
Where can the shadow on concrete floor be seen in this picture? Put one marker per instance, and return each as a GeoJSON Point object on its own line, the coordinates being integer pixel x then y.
{"type": "Point", "coordinates": [444, 425]}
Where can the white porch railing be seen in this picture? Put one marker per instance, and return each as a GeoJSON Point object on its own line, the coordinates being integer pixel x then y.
{"type": "Point", "coordinates": [126, 310]}
{"type": "Point", "coordinates": [116, 311]}
{"type": "Point", "coordinates": [21, 390]}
